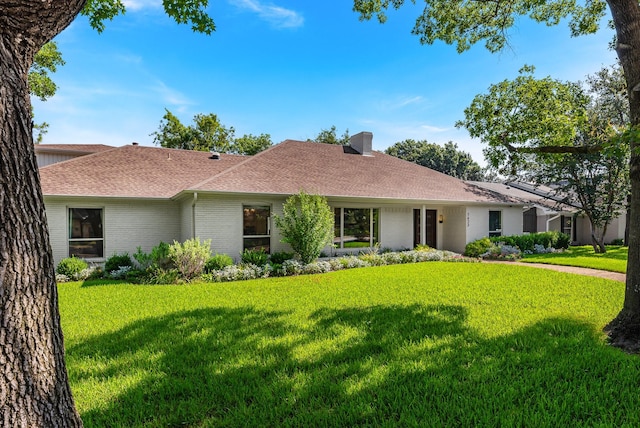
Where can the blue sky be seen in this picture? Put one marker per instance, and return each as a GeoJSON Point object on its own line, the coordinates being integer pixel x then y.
{"type": "Point", "coordinates": [289, 69]}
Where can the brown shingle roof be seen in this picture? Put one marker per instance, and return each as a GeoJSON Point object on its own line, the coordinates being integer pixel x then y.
{"type": "Point", "coordinates": [333, 170]}
{"type": "Point", "coordinates": [132, 171]}
{"type": "Point", "coordinates": [284, 169]}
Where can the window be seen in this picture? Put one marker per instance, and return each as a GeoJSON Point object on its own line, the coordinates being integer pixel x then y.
{"type": "Point", "coordinates": [256, 228]}
{"type": "Point", "coordinates": [86, 239]}
{"type": "Point", "coordinates": [566, 225]}
{"type": "Point", "coordinates": [356, 227]}
{"type": "Point", "coordinates": [495, 223]}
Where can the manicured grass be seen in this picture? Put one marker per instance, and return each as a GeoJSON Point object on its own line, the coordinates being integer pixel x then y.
{"type": "Point", "coordinates": [429, 344]}
{"type": "Point", "coordinates": [614, 260]}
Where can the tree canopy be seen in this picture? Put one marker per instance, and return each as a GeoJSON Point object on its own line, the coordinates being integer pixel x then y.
{"type": "Point", "coordinates": [446, 159]}
{"type": "Point", "coordinates": [207, 134]}
{"type": "Point", "coordinates": [330, 136]}
{"type": "Point", "coordinates": [521, 119]}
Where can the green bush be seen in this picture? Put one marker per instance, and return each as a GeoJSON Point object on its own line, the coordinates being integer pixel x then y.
{"type": "Point", "coordinates": [306, 224]}
{"type": "Point", "coordinates": [190, 257]}
{"type": "Point", "coordinates": [117, 261]}
{"type": "Point", "coordinates": [255, 257]}
{"type": "Point", "coordinates": [160, 256]}
{"type": "Point", "coordinates": [217, 262]}
{"type": "Point", "coordinates": [563, 241]}
{"type": "Point", "coordinates": [478, 247]}
{"type": "Point", "coordinates": [71, 266]}
{"type": "Point", "coordinates": [280, 257]}
{"type": "Point", "coordinates": [527, 243]}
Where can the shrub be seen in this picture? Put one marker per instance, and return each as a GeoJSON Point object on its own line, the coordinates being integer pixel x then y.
{"type": "Point", "coordinates": [373, 259]}
{"type": "Point", "coordinates": [71, 266]}
{"type": "Point", "coordinates": [158, 275]}
{"type": "Point", "coordinates": [617, 241]}
{"type": "Point", "coordinates": [160, 256]}
{"type": "Point", "coordinates": [477, 248]}
{"type": "Point", "coordinates": [121, 273]}
{"type": "Point", "coordinates": [190, 257]}
{"type": "Point", "coordinates": [564, 240]}
{"type": "Point", "coordinates": [117, 261]}
{"type": "Point", "coordinates": [502, 251]}
{"type": "Point", "coordinates": [280, 257]}
{"type": "Point", "coordinates": [306, 225]}
{"type": "Point", "coordinates": [257, 257]}
{"type": "Point", "coordinates": [143, 259]}
{"type": "Point", "coordinates": [217, 262]}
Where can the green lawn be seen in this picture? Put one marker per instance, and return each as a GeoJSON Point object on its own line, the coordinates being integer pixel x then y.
{"type": "Point", "coordinates": [614, 260]}
{"type": "Point", "coordinates": [429, 344]}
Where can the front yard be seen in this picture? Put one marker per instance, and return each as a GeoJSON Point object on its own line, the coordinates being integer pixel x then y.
{"type": "Point", "coordinates": [427, 344]}
{"type": "Point", "coordinates": [614, 260]}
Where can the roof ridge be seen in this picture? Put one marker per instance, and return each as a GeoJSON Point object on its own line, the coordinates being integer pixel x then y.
{"type": "Point", "coordinates": [231, 168]}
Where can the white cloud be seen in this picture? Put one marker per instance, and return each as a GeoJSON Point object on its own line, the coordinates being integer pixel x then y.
{"type": "Point", "coordinates": [171, 96]}
{"type": "Point", "coordinates": [434, 129]}
{"type": "Point", "coordinates": [142, 4]}
{"type": "Point", "coordinates": [277, 16]}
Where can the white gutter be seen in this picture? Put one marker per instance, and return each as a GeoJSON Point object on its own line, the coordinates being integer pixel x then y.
{"type": "Point", "coordinates": [550, 220]}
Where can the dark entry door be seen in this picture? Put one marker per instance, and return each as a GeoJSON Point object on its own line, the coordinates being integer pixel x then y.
{"type": "Point", "coordinates": [431, 226]}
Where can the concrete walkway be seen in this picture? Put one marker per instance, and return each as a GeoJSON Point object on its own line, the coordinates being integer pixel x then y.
{"type": "Point", "coordinates": [570, 269]}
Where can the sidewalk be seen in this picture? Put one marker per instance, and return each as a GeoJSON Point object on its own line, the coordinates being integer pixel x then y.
{"type": "Point", "coordinates": [570, 269]}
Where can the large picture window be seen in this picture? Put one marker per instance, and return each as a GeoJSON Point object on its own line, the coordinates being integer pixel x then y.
{"type": "Point", "coordinates": [86, 238]}
{"type": "Point", "coordinates": [256, 228]}
{"type": "Point", "coordinates": [495, 223]}
{"type": "Point", "coordinates": [356, 227]}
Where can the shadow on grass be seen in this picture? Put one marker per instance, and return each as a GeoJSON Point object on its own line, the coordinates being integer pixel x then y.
{"type": "Point", "coordinates": [383, 365]}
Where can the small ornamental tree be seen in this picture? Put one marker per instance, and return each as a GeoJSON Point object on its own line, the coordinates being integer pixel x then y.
{"type": "Point", "coordinates": [306, 224]}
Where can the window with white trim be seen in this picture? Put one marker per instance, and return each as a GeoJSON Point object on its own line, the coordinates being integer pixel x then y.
{"type": "Point", "coordinates": [86, 237]}
{"type": "Point", "coordinates": [356, 227]}
{"type": "Point", "coordinates": [256, 227]}
{"type": "Point", "coordinates": [495, 223]}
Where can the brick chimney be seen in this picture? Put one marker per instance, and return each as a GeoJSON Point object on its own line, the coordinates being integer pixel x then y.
{"type": "Point", "coordinates": [361, 142]}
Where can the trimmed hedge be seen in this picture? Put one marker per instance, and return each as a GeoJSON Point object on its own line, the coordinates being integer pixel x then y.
{"type": "Point", "coordinates": [526, 243]}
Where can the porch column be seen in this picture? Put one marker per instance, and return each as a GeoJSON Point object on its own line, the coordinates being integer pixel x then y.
{"type": "Point", "coordinates": [423, 225]}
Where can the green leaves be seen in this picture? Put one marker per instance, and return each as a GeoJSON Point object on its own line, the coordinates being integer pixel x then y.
{"type": "Point", "coordinates": [182, 11]}
{"type": "Point", "coordinates": [466, 22]}
{"type": "Point", "coordinates": [525, 113]}
{"type": "Point", "coordinates": [446, 159]}
{"type": "Point", "coordinates": [306, 224]}
{"type": "Point", "coordinates": [207, 134]}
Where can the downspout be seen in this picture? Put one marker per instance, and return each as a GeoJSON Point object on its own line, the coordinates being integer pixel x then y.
{"type": "Point", "coordinates": [193, 215]}
{"type": "Point", "coordinates": [550, 220]}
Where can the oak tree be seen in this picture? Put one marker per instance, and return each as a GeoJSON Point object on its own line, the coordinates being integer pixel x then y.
{"type": "Point", "coordinates": [34, 386]}
{"type": "Point", "coordinates": [520, 119]}
{"type": "Point", "coordinates": [466, 22]}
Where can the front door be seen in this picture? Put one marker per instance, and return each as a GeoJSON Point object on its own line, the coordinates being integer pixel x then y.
{"type": "Point", "coordinates": [431, 227]}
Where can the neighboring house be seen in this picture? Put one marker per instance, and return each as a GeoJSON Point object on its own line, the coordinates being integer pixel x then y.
{"type": "Point", "coordinates": [116, 200]}
{"type": "Point", "coordinates": [544, 211]}
{"type": "Point", "coordinates": [46, 154]}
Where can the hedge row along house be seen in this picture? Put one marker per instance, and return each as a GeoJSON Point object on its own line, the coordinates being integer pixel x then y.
{"type": "Point", "coordinates": [113, 200]}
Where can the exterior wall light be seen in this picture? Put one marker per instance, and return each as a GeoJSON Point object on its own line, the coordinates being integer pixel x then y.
{"type": "Point", "coordinates": [440, 218]}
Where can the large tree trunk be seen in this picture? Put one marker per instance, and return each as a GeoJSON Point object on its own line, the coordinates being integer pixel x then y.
{"type": "Point", "coordinates": [34, 387]}
{"type": "Point", "coordinates": [624, 330]}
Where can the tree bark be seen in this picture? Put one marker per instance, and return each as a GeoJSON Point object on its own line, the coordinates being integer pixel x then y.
{"type": "Point", "coordinates": [34, 387]}
{"type": "Point", "coordinates": [624, 330]}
